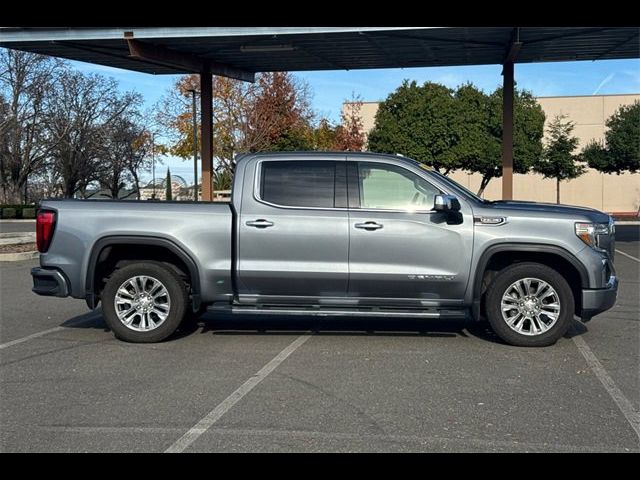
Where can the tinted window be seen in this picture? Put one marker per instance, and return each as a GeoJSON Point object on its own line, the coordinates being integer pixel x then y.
{"type": "Point", "coordinates": [299, 184]}
{"type": "Point", "coordinates": [388, 187]}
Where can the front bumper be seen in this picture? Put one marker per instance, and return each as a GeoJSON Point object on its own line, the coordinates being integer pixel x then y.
{"type": "Point", "coordinates": [50, 283]}
{"type": "Point", "coordinates": [600, 300]}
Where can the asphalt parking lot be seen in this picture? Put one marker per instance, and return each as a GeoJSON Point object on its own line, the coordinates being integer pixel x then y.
{"type": "Point", "coordinates": [304, 384]}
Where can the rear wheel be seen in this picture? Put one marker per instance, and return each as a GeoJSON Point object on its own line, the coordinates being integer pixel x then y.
{"type": "Point", "coordinates": [144, 302]}
{"type": "Point", "coordinates": [530, 305]}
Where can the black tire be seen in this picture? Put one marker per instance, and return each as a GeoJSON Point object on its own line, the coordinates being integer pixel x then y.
{"type": "Point", "coordinates": [175, 287]}
{"type": "Point", "coordinates": [509, 276]}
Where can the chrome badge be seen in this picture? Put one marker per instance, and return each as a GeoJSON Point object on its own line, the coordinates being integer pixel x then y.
{"type": "Point", "coordinates": [440, 278]}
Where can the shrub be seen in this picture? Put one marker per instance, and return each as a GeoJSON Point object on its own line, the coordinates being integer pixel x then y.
{"type": "Point", "coordinates": [19, 211]}
{"type": "Point", "coordinates": [8, 212]}
{"type": "Point", "coordinates": [29, 212]}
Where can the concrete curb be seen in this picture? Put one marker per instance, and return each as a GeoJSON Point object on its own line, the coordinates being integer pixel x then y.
{"type": "Point", "coordinates": [17, 257]}
{"type": "Point", "coordinates": [16, 241]}
{"type": "Point", "coordinates": [17, 235]}
{"type": "Point", "coordinates": [17, 238]}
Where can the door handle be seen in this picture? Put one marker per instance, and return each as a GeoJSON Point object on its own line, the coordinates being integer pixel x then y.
{"type": "Point", "coordinates": [260, 223]}
{"type": "Point", "coordinates": [370, 226]}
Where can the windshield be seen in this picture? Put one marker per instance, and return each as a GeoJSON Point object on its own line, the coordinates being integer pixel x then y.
{"type": "Point", "coordinates": [456, 186]}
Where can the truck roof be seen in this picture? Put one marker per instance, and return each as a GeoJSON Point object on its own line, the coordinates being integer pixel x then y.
{"type": "Point", "coordinates": [310, 155]}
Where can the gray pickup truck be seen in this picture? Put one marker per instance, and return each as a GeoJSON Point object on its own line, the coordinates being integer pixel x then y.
{"type": "Point", "coordinates": [338, 234]}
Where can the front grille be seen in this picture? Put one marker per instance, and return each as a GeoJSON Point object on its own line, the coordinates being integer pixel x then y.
{"type": "Point", "coordinates": [608, 242]}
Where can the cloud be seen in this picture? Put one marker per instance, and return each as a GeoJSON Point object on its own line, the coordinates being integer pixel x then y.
{"type": "Point", "coordinates": [603, 83]}
{"type": "Point", "coordinates": [634, 74]}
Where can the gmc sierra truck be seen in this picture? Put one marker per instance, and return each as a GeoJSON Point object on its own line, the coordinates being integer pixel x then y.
{"type": "Point", "coordinates": [339, 234]}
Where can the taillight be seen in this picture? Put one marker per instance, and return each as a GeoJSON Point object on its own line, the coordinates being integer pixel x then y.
{"type": "Point", "coordinates": [45, 224]}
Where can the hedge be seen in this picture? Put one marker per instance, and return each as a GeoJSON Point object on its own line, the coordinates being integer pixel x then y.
{"type": "Point", "coordinates": [18, 211]}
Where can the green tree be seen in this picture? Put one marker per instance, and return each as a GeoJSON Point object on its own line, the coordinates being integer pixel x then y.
{"type": "Point", "coordinates": [480, 148]}
{"type": "Point", "coordinates": [222, 179]}
{"type": "Point", "coordinates": [459, 129]}
{"type": "Point", "coordinates": [168, 190]}
{"type": "Point", "coordinates": [558, 160]}
{"type": "Point", "coordinates": [419, 122]}
{"type": "Point", "coordinates": [621, 150]}
{"type": "Point", "coordinates": [324, 136]}
{"type": "Point", "coordinates": [294, 139]}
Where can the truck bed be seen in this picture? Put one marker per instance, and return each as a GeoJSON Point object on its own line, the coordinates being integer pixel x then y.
{"type": "Point", "coordinates": [203, 231]}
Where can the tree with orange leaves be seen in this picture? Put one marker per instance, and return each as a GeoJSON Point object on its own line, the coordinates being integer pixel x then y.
{"type": "Point", "coordinates": [350, 134]}
{"type": "Point", "coordinates": [273, 113]}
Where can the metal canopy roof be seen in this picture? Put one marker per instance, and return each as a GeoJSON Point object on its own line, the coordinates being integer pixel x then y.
{"type": "Point", "coordinates": [261, 49]}
{"type": "Point", "coordinates": [240, 52]}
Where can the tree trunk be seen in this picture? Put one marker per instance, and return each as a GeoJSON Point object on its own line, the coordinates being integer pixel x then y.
{"type": "Point", "coordinates": [558, 191]}
{"type": "Point", "coordinates": [70, 187]}
{"type": "Point", "coordinates": [483, 184]}
{"type": "Point", "coordinates": [136, 182]}
{"type": "Point", "coordinates": [14, 194]}
{"type": "Point", "coordinates": [114, 188]}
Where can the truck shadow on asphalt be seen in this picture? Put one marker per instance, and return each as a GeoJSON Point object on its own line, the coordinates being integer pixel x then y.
{"type": "Point", "coordinates": [242, 325]}
{"type": "Point", "coordinates": [344, 326]}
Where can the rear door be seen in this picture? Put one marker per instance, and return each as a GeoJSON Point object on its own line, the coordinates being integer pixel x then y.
{"type": "Point", "coordinates": [294, 231]}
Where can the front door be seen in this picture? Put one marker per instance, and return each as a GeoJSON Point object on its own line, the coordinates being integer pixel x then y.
{"type": "Point", "coordinates": [400, 250]}
{"type": "Point", "coordinates": [294, 232]}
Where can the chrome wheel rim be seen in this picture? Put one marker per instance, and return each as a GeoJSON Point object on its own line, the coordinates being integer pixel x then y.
{"type": "Point", "coordinates": [142, 303]}
{"type": "Point", "coordinates": [530, 306]}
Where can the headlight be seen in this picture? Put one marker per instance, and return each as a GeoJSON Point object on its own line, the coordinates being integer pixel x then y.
{"type": "Point", "coordinates": [588, 233]}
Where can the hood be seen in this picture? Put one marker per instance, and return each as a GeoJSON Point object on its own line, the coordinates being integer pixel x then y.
{"type": "Point", "coordinates": [551, 209]}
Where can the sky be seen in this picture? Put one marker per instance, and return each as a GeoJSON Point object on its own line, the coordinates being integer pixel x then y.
{"type": "Point", "coordinates": [331, 88]}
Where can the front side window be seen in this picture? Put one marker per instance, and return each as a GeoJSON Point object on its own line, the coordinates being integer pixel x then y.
{"type": "Point", "coordinates": [298, 183]}
{"type": "Point", "coordinates": [388, 187]}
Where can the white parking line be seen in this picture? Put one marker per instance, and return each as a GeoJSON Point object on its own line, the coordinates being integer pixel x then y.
{"type": "Point", "coordinates": [30, 337]}
{"type": "Point", "coordinates": [623, 403]}
{"type": "Point", "coordinates": [212, 417]}
{"type": "Point", "coordinates": [628, 256]}
{"type": "Point", "coordinates": [43, 333]}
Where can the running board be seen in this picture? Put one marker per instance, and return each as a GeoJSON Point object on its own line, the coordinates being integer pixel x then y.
{"type": "Point", "coordinates": [338, 312]}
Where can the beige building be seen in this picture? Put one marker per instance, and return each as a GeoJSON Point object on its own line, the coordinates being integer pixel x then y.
{"type": "Point", "coordinates": [610, 193]}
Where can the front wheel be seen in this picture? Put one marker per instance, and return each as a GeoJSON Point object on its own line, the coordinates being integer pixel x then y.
{"type": "Point", "coordinates": [530, 305]}
{"type": "Point", "coordinates": [144, 302]}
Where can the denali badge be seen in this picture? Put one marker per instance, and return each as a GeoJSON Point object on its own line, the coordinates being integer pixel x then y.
{"type": "Point", "coordinates": [489, 220]}
{"type": "Point", "coordinates": [442, 278]}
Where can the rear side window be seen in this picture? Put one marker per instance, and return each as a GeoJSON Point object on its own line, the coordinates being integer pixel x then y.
{"type": "Point", "coordinates": [299, 184]}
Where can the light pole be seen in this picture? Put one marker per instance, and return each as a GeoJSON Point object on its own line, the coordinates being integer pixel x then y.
{"type": "Point", "coordinates": [153, 163]}
{"type": "Point", "coordinates": [195, 147]}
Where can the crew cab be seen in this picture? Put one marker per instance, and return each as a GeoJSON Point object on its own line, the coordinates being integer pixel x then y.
{"type": "Point", "coordinates": [339, 234]}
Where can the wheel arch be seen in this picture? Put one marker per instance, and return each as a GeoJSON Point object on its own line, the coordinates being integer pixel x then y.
{"type": "Point", "coordinates": [567, 265]}
{"type": "Point", "coordinates": [103, 245]}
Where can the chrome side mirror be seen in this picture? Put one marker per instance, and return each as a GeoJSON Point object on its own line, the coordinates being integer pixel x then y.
{"type": "Point", "coordinates": [446, 203]}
